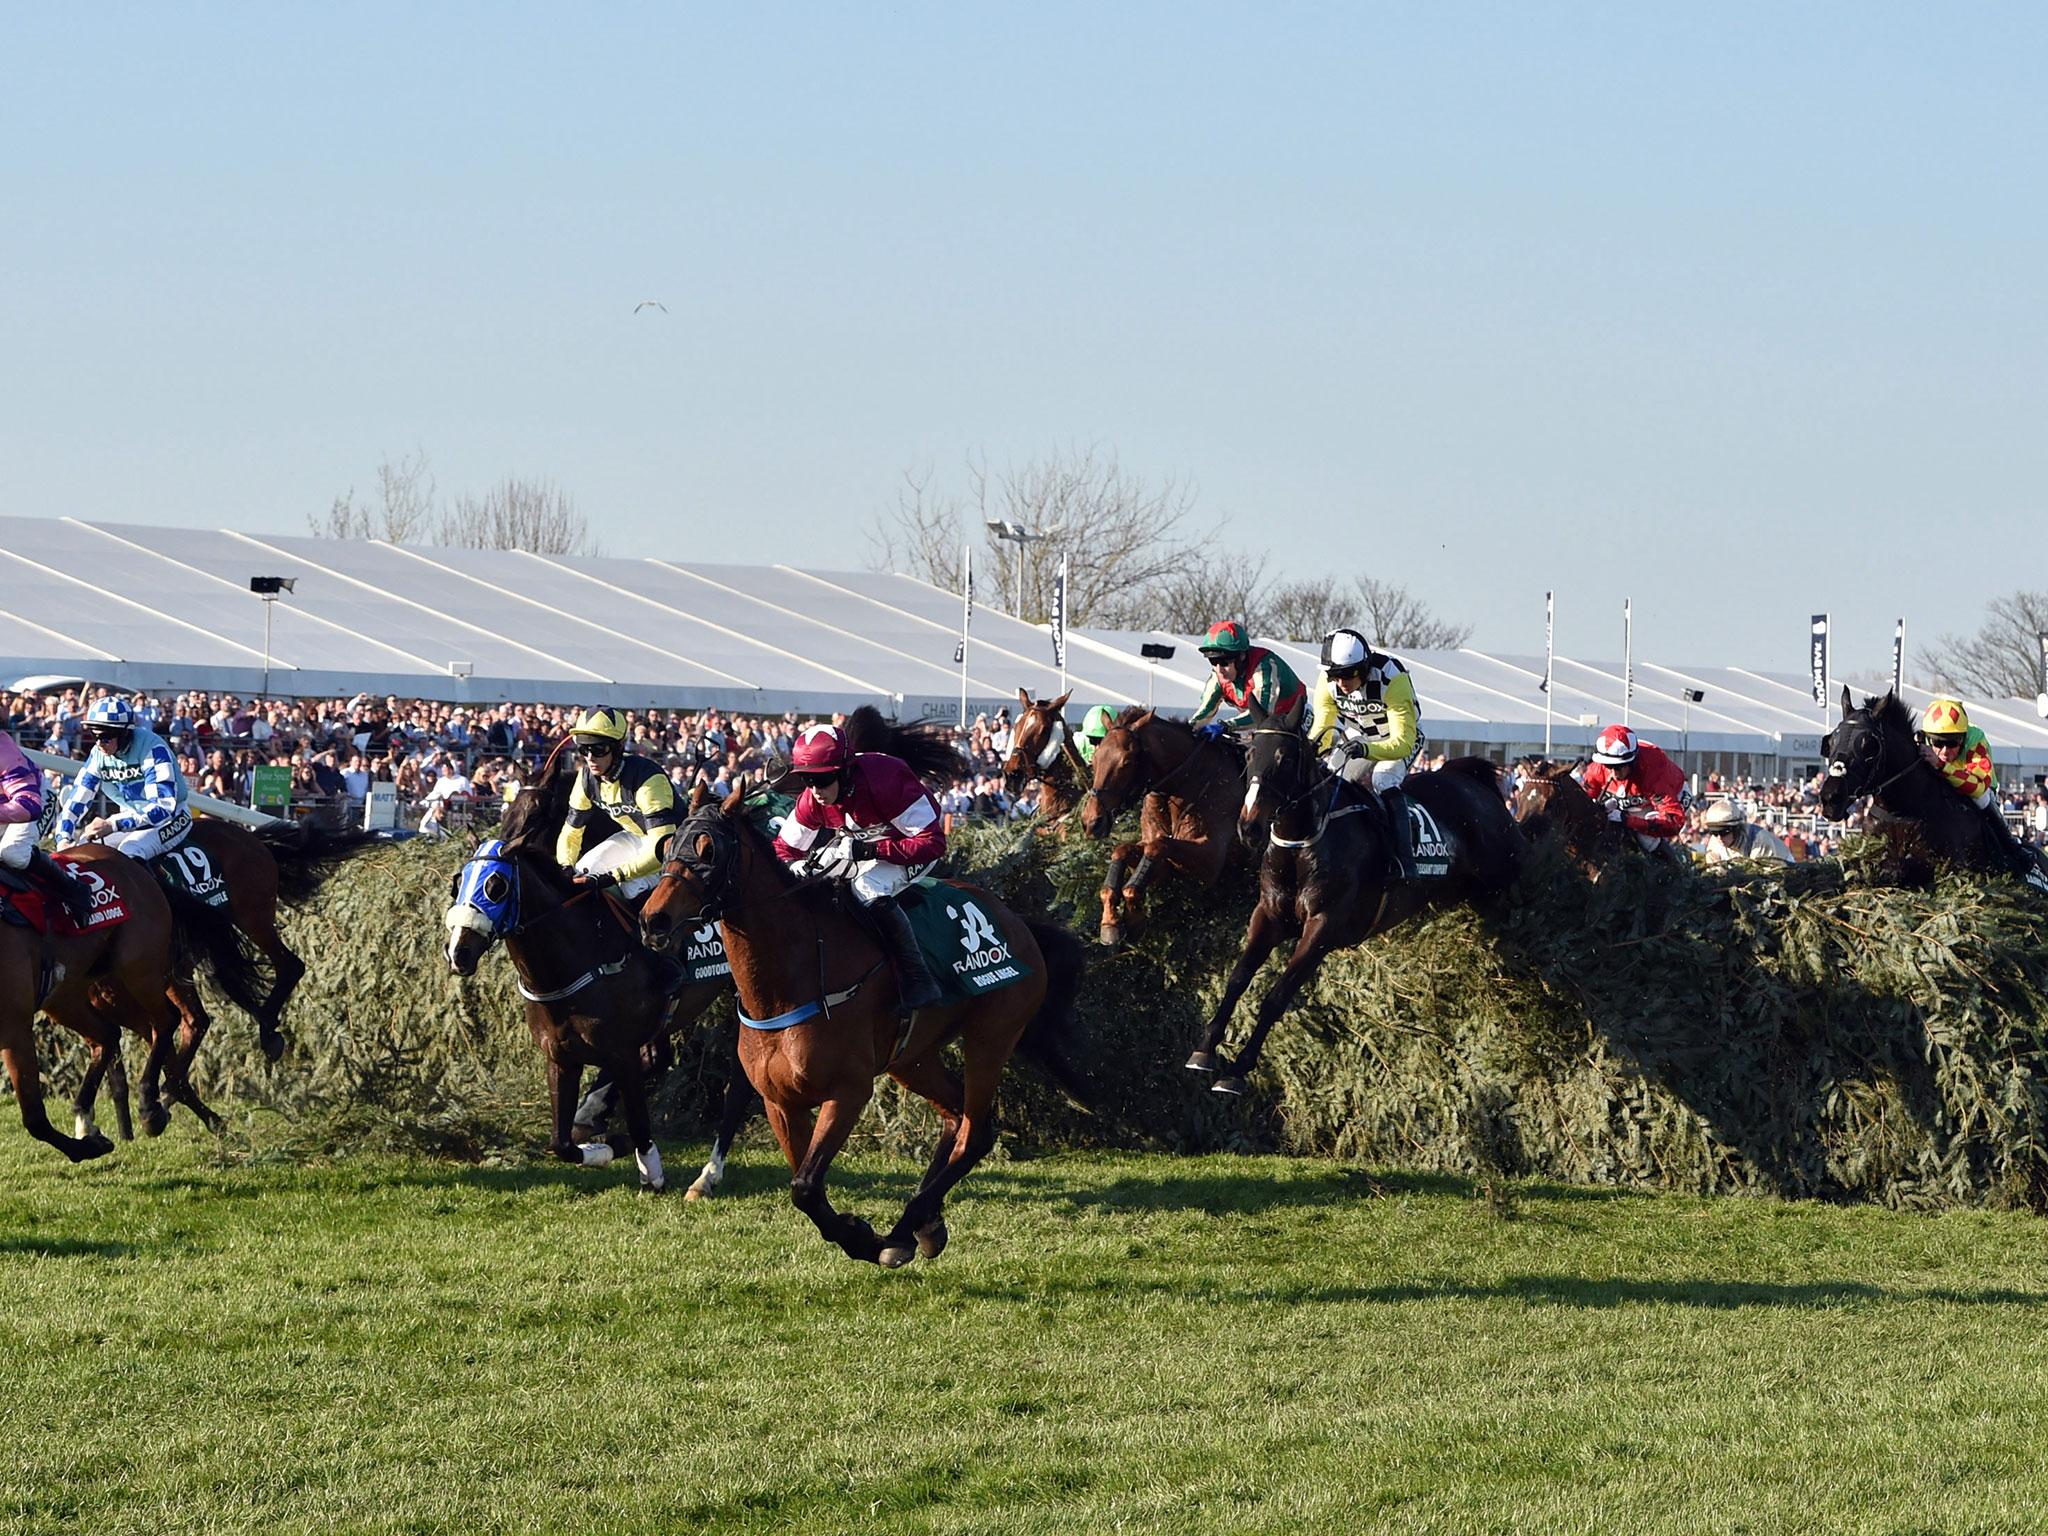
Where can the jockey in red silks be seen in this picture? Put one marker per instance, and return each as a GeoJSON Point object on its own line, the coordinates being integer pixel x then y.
{"type": "Point", "coordinates": [866, 818]}
{"type": "Point", "coordinates": [21, 814]}
{"type": "Point", "coordinates": [1643, 789]}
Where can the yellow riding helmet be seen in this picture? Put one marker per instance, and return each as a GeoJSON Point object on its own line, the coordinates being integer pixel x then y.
{"type": "Point", "coordinates": [1944, 717]}
{"type": "Point", "coordinates": [605, 724]}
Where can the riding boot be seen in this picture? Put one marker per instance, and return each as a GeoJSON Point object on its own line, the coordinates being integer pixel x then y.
{"type": "Point", "coordinates": [1400, 832]}
{"type": "Point", "coordinates": [2008, 849]}
{"type": "Point", "coordinates": [915, 987]}
{"type": "Point", "coordinates": [67, 887]}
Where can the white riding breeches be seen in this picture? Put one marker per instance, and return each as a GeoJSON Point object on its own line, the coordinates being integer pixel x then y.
{"type": "Point", "coordinates": [616, 852]}
{"type": "Point", "coordinates": [17, 842]}
{"type": "Point", "coordinates": [148, 842]}
{"type": "Point", "coordinates": [875, 879]}
{"type": "Point", "coordinates": [1381, 775]}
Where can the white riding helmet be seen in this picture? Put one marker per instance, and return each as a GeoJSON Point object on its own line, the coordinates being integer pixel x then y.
{"type": "Point", "coordinates": [1344, 649]}
{"type": "Point", "coordinates": [1722, 815]}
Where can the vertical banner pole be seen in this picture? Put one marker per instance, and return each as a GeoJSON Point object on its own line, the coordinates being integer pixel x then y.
{"type": "Point", "coordinates": [1059, 621]}
{"type": "Point", "coordinates": [1549, 650]}
{"type": "Point", "coordinates": [1817, 660]}
{"type": "Point", "coordinates": [1628, 658]}
{"type": "Point", "coordinates": [1899, 658]}
{"type": "Point", "coordinates": [966, 621]}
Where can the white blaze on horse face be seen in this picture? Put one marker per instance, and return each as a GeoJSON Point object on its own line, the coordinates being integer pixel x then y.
{"type": "Point", "coordinates": [1838, 769]}
{"type": "Point", "coordinates": [1251, 796]}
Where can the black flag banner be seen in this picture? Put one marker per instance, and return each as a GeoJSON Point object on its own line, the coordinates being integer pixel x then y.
{"type": "Point", "coordinates": [1818, 656]}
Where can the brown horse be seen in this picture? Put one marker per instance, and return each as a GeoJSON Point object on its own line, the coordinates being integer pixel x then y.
{"type": "Point", "coordinates": [279, 861]}
{"type": "Point", "coordinates": [1042, 746]}
{"type": "Point", "coordinates": [1192, 786]}
{"type": "Point", "coordinates": [1552, 802]}
{"type": "Point", "coordinates": [93, 983]}
{"type": "Point", "coordinates": [819, 1020]}
{"type": "Point", "coordinates": [1326, 875]}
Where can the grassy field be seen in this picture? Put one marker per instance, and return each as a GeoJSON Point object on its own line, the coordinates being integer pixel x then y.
{"type": "Point", "coordinates": [1111, 1343]}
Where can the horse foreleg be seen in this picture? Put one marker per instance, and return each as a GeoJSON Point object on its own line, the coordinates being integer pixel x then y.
{"type": "Point", "coordinates": [565, 1083]}
{"type": "Point", "coordinates": [835, 1122]}
{"type": "Point", "coordinates": [290, 970]}
{"type": "Point", "coordinates": [737, 1105]}
{"type": "Point", "coordinates": [1301, 966]}
{"type": "Point", "coordinates": [640, 1126]}
{"type": "Point", "coordinates": [117, 1090]}
{"type": "Point", "coordinates": [102, 1031]}
{"type": "Point", "coordinates": [1261, 934]}
{"type": "Point", "coordinates": [1112, 884]}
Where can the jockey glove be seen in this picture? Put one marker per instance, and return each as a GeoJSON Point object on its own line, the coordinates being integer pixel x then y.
{"type": "Point", "coordinates": [1213, 731]}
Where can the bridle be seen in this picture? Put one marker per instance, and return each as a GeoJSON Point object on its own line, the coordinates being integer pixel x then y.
{"type": "Point", "coordinates": [1869, 748]}
{"type": "Point", "coordinates": [713, 875]}
{"type": "Point", "coordinates": [1158, 785]}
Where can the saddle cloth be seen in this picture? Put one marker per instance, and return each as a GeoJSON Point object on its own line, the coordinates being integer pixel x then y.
{"type": "Point", "coordinates": [23, 903]}
{"type": "Point", "coordinates": [966, 952]}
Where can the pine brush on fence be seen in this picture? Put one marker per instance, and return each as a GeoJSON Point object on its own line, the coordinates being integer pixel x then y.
{"type": "Point", "coordinates": [1811, 1030]}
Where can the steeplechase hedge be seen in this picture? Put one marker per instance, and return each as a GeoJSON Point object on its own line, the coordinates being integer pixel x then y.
{"type": "Point", "coordinates": [1814, 1030]}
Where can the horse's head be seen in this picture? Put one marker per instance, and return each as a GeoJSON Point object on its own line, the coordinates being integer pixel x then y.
{"type": "Point", "coordinates": [697, 877]}
{"type": "Point", "coordinates": [1535, 796]}
{"type": "Point", "coordinates": [1872, 746]}
{"type": "Point", "coordinates": [1037, 740]}
{"type": "Point", "coordinates": [1121, 773]}
{"type": "Point", "coordinates": [483, 905]}
{"type": "Point", "coordinates": [1276, 773]}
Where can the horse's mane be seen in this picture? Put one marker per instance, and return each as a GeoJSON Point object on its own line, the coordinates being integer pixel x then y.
{"type": "Point", "coordinates": [1888, 712]}
{"type": "Point", "coordinates": [539, 809]}
{"type": "Point", "coordinates": [926, 746]}
{"type": "Point", "coordinates": [1132, 712]}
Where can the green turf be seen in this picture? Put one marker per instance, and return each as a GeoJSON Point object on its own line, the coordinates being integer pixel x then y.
{"type": "Point", "coordinates": [1111, 1343]}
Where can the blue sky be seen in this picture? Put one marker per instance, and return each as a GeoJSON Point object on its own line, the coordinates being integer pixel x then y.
{"type": "Point", "coordinates": [1735, 310]}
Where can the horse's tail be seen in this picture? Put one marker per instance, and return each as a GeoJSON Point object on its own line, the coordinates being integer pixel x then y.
{"type": "Point", "coordinates": [207, 935]}
{"type": "Point", "coordinates": [306, 855]}
{"type": "Point", "coordinates": [1049, 1038]}
{"type": "Point", "coordinates": [926, 746]}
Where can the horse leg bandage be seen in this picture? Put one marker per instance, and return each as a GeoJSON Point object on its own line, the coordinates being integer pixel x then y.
{"type": "Point", "coordinates": [595, 1154]}
{"type": "Point", "coordinates": [650, 1166]}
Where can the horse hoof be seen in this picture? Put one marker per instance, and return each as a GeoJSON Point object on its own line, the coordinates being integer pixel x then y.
{"type": "Point", "coordinates": [931, 1240]}
{"type": "Point", "coordinates": [1201, 1061]}
{"type": "Point", "coordinates": [1231, 1084]}
{"type": "Point", "coordinates": [272, 1043]}
{"type": "Point", "coordinates": [647, 1188]}
{"type": "Point", "coordinates": [1111, 936]}
{"type": "Point", "coordinates": [90, 1147]}
{"type": "Point", "coordinates": [155, 1121]}
{"type": "Point", "coordinates": [82, 1128]}
{"type": "Point", "coordinates": [895, 1256]}
{"type": "Point", "coordinates": [697, 1191]}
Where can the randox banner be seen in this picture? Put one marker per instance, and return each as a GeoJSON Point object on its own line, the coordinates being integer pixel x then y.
{"type": "Point", "coordinates": [1817, 657]}
{"type": "Point", "coordinates": [1898, 658]}
{"type": "Point", "coordinates": [1059, 616]}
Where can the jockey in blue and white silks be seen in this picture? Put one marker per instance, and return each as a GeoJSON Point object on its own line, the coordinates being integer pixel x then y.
{"type": "Point", "coordinates": [133, 768]}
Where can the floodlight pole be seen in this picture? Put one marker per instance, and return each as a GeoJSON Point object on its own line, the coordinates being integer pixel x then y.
{"type": "Point", "coordinates": [1022, 537]}
{"type": "Point", "coordinates": [269, 601]}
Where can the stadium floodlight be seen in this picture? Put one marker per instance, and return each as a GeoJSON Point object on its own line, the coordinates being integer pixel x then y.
{"type": "Point", "coordinates": [462, 669]}
{"type": "Point", "coordinates": [1155, 652]}
{"type": "Point", "coordinates": [267, 588]}
{"type": "Point", "coordinates": [1019, 535]}
{"type": "Point", "coordinates": [1687, 697]}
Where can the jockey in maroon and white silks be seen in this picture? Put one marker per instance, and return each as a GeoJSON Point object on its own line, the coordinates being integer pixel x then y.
{"type": "Point", "coordinates": [866, 818]}
{"type": "Point", "coordinates": [1642, 788]}
{"type": "Point", "coordinates": [21, 814]}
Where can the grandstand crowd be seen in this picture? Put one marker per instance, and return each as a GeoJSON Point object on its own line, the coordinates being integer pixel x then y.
{"type": "Point", "coordinates": [453, 764]}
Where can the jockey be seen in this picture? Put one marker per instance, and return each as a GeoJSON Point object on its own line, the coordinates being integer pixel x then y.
{"type": "Point", "coordinates": [1645, 789]}
{"type": "Point", "coordinates": [889, 832]}
{"type": "Point", "coordinates": [133, 768]}
{"type": "Point", "coordinates": [1366, 723]}
{"type": "Point", "coordinates": [1094, 726]}
{"type": "Point", "coordinates": [1958, 749]}
{"type": "Point", "coordinates": [637, 796]}
{"type": "Point", "coordinates": [1243, 674]}
{"type": "Point", "coordinates": [632, 791]}
{"type": "Point", "coordinates": [1730, 835]}
{"type": "Point", "coordinates": [21, 815]}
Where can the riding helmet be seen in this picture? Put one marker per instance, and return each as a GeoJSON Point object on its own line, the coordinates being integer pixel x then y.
{"type": "Point", "coordinates": [1617, 745]}
{"type": "Point", "coordinates": [1945, 717]}
{"type": "Point", "coordinates": [821, 749]}
{"type": "Point", "coordinates": [1343, 650]}
{"type": "Point", "coordinates": [1226, 637]}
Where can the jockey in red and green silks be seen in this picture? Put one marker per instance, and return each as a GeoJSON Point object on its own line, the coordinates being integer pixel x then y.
{"type": "Point", "coordinates": [1243, 673]}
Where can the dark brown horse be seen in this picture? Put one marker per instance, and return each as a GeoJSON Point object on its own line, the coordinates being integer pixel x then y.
{"type": "Point", "coordinates": [1042, 747]}
{"type": "Point", "coordinates": [1326, 879]}
{"type": "Point", "coordinates": [1872, 752]}
{"type": "Point", "coordinates": [1192, 788]}
{"type": "Point", "coordinates": [823, 1002]}
{"type": "Point", "coordinates": [279, 861]}
{"type": "Point", "coordinates": [1550, 802]}
{"type": "Point", "coordinates": [96, 982]}
{"type": "Point", "coordinates": [590, 989]}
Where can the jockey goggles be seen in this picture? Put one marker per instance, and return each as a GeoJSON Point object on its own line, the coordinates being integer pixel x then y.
{"type": "Point", "coordinates": [595, 746]}
{"type": "Point", "coordinates": [1953, 740]}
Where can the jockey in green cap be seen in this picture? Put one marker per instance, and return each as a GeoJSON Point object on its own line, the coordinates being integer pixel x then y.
{"type": "Point", "coordinates": [1242, 674]}
{"type": "Point", "coordinates": [1094, 726]}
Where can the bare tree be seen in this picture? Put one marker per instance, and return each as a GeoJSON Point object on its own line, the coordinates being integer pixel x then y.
{"type": "Point", "coordinates": [401, 509]}
{"type": "Point", "coordinates": [1309, 609]}
{"type": "Point", "coordinates": [1123, 535]}
{"type": "Point", "coordinates": [2002, 660]}
{"type": "Point", "coordinates": [1205, 587]}
{"type": "Point", "coordinates": [1395, 619]}
{"type": "Point", "coordinates": [535, 515]}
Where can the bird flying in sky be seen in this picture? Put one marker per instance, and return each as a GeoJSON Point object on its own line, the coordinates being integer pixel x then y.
{"type": "Point", "coordinates": [650, 304]}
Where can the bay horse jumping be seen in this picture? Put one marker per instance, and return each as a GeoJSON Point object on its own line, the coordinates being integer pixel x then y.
{"type": "Point", "coordinates": [1326, 877]}
{"type": "Point", "coordinates": [1042, 746]}
{"type": "Point", "coordinates": [590, 989]}
{"type": "Point", "coordinates": [1872, 752]}
{"type": "Point", "coordinates": [95, 982]}
{"type": "Point", "coordinates": [1192, 788]}
{"type": "Point", "coordinates": [1550, 802]}
{"type": "Point", "coordinates": [280, 861]}
{"type": "Point", "coordinates": [811, 972]}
